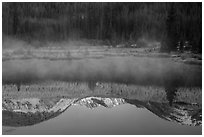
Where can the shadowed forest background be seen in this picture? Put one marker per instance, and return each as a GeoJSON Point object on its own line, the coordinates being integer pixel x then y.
{"type": "Point", "coordinates": [109, 23]}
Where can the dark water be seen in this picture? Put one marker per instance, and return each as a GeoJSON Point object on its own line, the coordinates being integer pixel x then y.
{"type": "Point", "coordinates": [168, 100]}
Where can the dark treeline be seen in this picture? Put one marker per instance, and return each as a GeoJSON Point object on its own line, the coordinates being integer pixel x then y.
{"type": "Point", "coordinates": [116, 23]}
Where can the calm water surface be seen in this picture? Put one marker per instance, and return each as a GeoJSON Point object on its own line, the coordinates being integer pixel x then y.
{"type": "Point", "coordinates": [124, 119]}
{"type": "Point", "coordinates": [119, 96]}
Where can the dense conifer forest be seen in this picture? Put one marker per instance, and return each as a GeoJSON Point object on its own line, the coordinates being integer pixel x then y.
{"type": "Point", "coordinates": [173, 24]}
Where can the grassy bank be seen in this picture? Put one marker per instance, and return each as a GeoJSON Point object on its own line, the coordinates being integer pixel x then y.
{"type": "Point", "coordinates": [80, 49]}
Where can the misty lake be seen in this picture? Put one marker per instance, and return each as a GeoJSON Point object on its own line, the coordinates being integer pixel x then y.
{"type": "Point", "coordinates": [110, 95]}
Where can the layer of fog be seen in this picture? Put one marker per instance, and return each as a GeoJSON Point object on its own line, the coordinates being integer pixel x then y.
{"type": "Point", "coordinates": [129, 70]}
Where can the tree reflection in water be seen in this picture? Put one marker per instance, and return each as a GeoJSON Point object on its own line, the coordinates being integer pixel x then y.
{"type": "Point", "coordinates": [170, 94]}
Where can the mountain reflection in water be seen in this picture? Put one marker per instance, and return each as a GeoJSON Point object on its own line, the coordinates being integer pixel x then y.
{"type": "Point", "coordinates": [40, 102]}
{"type": "Point", "coordinates": [26, 112]}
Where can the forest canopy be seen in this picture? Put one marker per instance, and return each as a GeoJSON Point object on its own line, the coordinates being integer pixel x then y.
{"type": "Point", "coordinates": [169, 23]}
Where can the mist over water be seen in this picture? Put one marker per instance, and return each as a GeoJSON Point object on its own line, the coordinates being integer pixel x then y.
{"type": "Point", "coordinates": [129, 70]}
